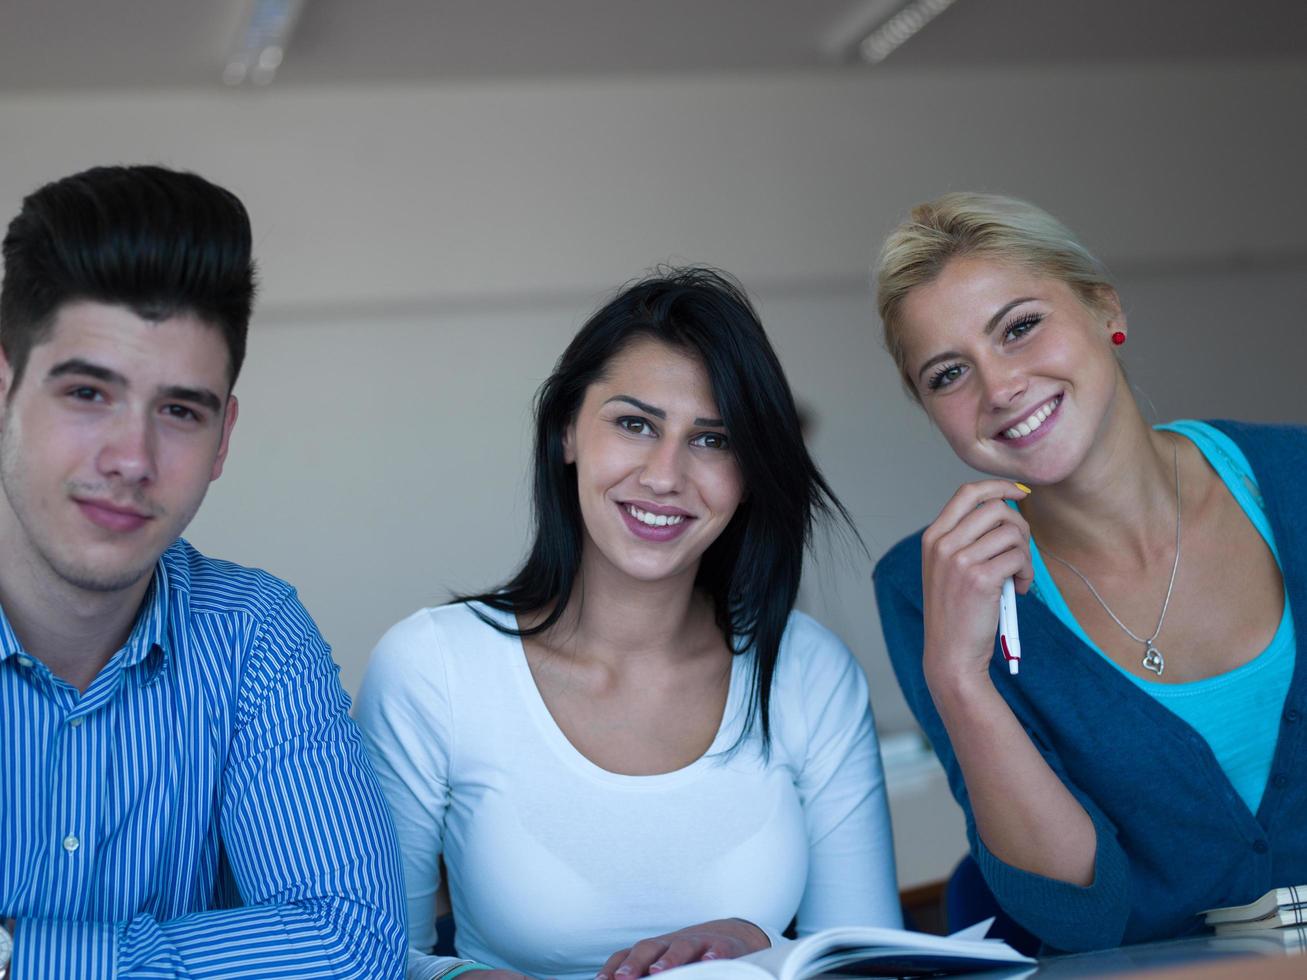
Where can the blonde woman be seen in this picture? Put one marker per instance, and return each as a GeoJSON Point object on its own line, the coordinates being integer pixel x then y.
{"type": "Point", "coordinates": [1148, 760]}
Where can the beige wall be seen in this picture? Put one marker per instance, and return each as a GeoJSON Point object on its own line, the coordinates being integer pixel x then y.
{"type": "Point", "coordinates": [427, 252]}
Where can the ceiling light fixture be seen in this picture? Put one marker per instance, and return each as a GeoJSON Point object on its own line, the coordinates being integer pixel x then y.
{"type": "Point", "coordinates": [261, 45]}
{"type": "Point", "coordinates": [881, 42]}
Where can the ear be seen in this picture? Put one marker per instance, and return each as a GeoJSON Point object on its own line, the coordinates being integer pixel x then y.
{"type": "Point", "coordinates": [228, 423]}
{"type": "Point", "coordinates": [569, 442]}
{"type": "Point", "coordinates": [1109, 304]}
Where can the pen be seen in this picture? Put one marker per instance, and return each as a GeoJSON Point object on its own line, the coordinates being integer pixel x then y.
{"type": "Point", "coordinates": [1008, 637]}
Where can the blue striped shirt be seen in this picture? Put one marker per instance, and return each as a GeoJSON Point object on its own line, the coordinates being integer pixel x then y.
{"type": "Point", "coordinates": [204, 808]}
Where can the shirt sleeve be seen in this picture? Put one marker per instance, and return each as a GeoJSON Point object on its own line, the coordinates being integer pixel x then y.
{"type": "Point", "coordinates": [309, 844]}
{"type": "Point", "coordinates": [851, 879]}
{"type": "Point", "coordinates": [406, 715]}
{"type": "Point", "coordinates": [1063, 915]}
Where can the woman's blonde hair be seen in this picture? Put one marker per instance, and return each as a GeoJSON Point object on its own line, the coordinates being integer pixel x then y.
{"type": "Point", "coordinates": [986, 225]}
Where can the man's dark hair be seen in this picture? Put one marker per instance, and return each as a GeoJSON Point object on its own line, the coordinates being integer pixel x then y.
{"type": "Point", "coordinates": [159, 242]}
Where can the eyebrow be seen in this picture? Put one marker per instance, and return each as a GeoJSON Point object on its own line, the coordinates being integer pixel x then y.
{"type": "Point", "coordinates": [196, 396]}
{"type": "Point", "coordinates": [658, 413]}
{"type": "Point", "coordinates": [76, 366]}
{"type": "Point", "coordinates": [989, 328]}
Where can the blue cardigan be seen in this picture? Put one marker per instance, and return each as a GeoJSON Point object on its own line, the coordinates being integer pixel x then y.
{"type": "Point", "coordinates": [1174, 837]}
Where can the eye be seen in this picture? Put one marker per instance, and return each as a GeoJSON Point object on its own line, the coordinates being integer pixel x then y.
{"type": "Point", "coordinates": [635, 425]}
{"type": "Point", "coordinates": [945, 376]}
{"type": "Point", "coordinates": [1020, 327]}
{"type": "Point", "coordinates": [712, 440]}
{"type": "Point", "coordinates": [182, 413]}
{"type": "Point", "coordinates": [84, 393]}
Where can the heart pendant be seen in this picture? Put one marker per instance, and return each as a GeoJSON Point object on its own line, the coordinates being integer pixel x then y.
{"type": "Point", "coordinates": [1153, 660]}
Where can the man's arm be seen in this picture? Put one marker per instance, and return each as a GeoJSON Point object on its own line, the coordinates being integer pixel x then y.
{"type": "Point", "coordinates": [306, 832]}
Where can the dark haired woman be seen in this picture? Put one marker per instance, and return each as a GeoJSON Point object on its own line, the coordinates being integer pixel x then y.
{"type": "Point", "coordinates": [635, 755]}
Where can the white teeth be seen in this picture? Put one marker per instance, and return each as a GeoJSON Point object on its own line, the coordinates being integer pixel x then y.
{"type": "Point", "coordinates": [653, 520]}
{"type": "Point", "coordinates": [1036, 419]}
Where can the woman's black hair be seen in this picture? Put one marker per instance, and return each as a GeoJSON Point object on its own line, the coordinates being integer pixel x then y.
{"type": "Point", "coordinates": [752, 570]}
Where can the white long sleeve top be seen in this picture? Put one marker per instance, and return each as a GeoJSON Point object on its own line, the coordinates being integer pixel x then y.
{"type": "Point", "coordinates": [555, 863]}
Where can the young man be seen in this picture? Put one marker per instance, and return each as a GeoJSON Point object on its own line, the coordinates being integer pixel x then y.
{"type": "Point", "coordinates": [182, 793]}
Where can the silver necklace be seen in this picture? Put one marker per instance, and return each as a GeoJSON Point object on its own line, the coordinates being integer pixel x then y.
{"type": "Point", "coordinates": [1153, 659]}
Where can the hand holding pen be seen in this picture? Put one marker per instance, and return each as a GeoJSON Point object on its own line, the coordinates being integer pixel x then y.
{"type": "Point", "coordinates": [977, 543]}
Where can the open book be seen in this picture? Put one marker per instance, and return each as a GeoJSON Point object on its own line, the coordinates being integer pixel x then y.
{"type": "Point", "coordinates": [1275, 919]}
{"type": "Point", "coordinates": [867, 951]}
{"type": "Point", "coordinates": [1278, 907]}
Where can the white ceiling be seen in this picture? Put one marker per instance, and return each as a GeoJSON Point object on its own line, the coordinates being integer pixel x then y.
{"type": "Point", "coordinates": [100, 44]}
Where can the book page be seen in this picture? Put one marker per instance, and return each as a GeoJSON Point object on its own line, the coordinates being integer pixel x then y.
{"type": "Point", "coordinates": [720, 970]}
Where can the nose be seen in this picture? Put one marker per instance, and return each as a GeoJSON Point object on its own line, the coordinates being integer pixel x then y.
{"type": "Point", "coordinates": [128, 452]}
{"type": "Point", "coordinates": [664, 467]}
{"type": "Point", "coordinates": [1004, 383]}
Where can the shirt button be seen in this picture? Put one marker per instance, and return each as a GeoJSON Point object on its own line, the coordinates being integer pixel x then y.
{"type": "Point", "coordinates": [1279, 780]}
{"type": "Point", "coordinates": [1291, 716]}
{"type": "Point", "coordinates": [75, 722]}
{"type": "Point", "coordinates": [25, 661]}
{"type": "Point", "coordinates": [71, 843]}
{"type": "Point", "coordinates": [1260, 846]}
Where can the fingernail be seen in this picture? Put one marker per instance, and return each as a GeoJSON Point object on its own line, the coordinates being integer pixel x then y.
{"type": "Point", "coordinates": [657, 965]}
{"type": "Point", "coordinates": [601, 976]}
{"type": "Point", "coordinates": [623, 971]}
{"type": "Point", "coordinates": [1022, 487]}
{"type": "Point", "coordinates": [710, 955]}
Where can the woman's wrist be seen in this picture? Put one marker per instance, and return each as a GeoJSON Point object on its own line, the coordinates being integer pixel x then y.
{"type": "Point", "coordinates": [968, 705]}
{"type": "Point", "coordinates": [953, 686]}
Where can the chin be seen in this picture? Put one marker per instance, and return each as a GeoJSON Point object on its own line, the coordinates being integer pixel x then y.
{"type": "Point", "coordinates": [103, 579]}
{"type": "Point", "coordinates": [644, 573]}
{"type": "Point", "coordinates": [649, 567]}
{"type": "Point", "coordinates": [112, 574]}
{"type": "Point", "coordinates": [1043, 465]}
{"type": "Point", "coordinates": [1035, 474]}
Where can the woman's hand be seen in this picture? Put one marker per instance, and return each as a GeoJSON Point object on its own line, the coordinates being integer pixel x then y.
{"type": "Point", "coordinates": [721, 939]}
{"type": "Point", "coordinates": [976, 542]}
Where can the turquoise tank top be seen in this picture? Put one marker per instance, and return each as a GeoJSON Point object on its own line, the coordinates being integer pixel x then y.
{"type": "Point", "coordinates": [1238, 712]}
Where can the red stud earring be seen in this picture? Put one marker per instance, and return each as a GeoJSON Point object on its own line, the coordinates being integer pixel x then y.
{"type": "Point", "coordinates": [1118, 337]}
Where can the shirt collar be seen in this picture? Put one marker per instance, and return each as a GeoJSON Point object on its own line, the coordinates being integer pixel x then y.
{"type": "Point", "coordinates": [9, 645]}
{"type": "Point", "coordinates": [151, 629]}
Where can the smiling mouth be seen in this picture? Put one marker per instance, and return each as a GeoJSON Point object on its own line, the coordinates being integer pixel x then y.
{"type": "Point", "coordinates": [1032, 421]}
{"type": "Point", "coordinates": [655, 528]}
{"type": "Point", "coordinates": [654, 520]}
